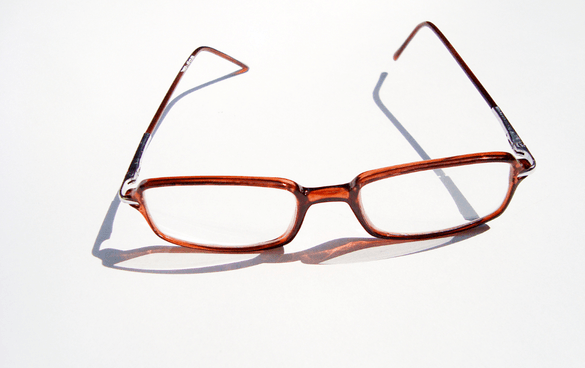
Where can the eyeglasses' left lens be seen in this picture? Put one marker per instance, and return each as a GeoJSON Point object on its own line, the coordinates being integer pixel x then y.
{"type": "Point", "coordinates": [221, 215]}
{"type": "Point", "coordinates": [435, 200]}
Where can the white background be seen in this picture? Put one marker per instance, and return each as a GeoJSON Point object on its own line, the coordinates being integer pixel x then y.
{"type": "Point", "coordinates": [80, 81]}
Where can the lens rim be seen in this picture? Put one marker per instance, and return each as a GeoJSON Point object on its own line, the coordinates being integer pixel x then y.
{"type": "Point", "coordinates": [276, 183]}
{"type": "Point", "coordinates": [375, 175]}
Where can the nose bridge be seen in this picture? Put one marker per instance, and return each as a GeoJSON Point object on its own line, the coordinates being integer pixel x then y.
{"type": "Point", "coordinates": [333, 193]}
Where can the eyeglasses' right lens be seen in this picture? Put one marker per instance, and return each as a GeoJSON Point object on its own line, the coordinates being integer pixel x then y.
{"type": "Point", "coordinates": [221, 215]}
{"type": "Point", "coordinates": [435, 200]}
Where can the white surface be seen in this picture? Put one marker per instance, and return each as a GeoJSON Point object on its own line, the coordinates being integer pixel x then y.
{"type": "Point", "coordinates": [81, 81]}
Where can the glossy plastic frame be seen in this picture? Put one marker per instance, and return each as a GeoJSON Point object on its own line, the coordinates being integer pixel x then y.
{"type": "Point", "coordinates": [521, 163]}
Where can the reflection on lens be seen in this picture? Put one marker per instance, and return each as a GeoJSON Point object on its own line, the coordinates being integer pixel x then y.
{"type": "Point", "coordinates": [221, 215]}
{"type": "Point", "coordinates": [435, 200]}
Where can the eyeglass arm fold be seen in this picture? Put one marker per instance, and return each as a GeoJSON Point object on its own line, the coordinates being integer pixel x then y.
{"type": "Point", "coordinates": [134, 169]}
{"type": "Point", "coordinates": [513, 138]}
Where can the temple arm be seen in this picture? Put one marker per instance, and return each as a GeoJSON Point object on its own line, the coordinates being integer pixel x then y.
{"type": "Point", "coordinates": [513, 138]}
{"type": "Point", "coordinates": [134, 169]}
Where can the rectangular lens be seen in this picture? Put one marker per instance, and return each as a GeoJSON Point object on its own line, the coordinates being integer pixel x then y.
{"type": "Point", "coordinates": [435, 200]}
{"type": "Point", "coordinates": [221, 215]}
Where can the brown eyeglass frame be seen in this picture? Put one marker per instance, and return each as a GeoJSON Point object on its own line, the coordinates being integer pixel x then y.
{"type": "Point", "coordinates": [522, 163]}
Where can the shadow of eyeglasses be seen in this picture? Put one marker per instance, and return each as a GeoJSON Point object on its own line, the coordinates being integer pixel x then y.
{"type": "Point", "coordinates": [338, 251]}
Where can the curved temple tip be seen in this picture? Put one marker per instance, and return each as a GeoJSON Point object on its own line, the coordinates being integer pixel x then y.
{"type": "Point", "coordinates": [453, 53]}
{"type": "Point", "coordinates": [411, 36]}
{"type": "Point", "coordinates": [244, 67]}
{"type": "Point", "coordinates": [397, 53]}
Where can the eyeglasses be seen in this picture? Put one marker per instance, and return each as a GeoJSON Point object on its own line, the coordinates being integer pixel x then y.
{"type": "Point", "coordinates": [420, 200]}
